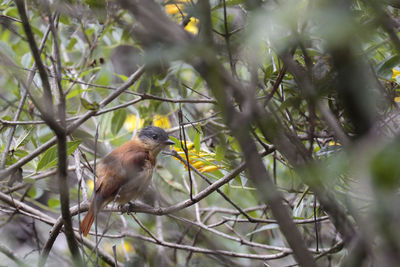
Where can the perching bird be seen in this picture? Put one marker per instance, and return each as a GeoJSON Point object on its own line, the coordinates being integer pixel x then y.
{"type": "Point", "coordinates": [125, 173]}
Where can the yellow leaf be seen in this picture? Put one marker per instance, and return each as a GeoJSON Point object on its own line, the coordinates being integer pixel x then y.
{"type": "Point", "coordinates": [397, 99]}
{"type": "Point", "coordinates": [198, 164]}
{"type": "Point", "coordinates": [173, 7]}
{"type": "Point", "coordinates": [132, 122]}
{"type": "Point", "coordinates": [120, 248]}
{"type": "Point", "coordinates": [192, 26]}
{"type": "Point", "coordinates": [333, 143]}
{"type": "Point", "coordinates": [395, 73]}
{"type": "Point", "coordinates": [189, 145]}
{"type": "Point", "coordinates": [209, 169]}
{"type": "Point", "coordinates": [206, 154]}
{"type": "Point", "coordinates": [90, 184]}
{"type": "Point", "coordinates": [161, 121]}
{"type": "Point", "coordinates": [128, 247]}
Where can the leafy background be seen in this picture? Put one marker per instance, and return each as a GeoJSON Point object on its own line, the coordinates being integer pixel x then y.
{"type": "Point", "coordinates": [325, 75]}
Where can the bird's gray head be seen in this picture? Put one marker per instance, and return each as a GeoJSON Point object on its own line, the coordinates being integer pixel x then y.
{"type": "Point", "coordinates": [155, 137]}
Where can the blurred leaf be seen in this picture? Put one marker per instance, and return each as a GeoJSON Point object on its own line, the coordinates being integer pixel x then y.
{"type": "Point", "coordinates": [26, 60]}
{"type": "Point", "coordinates": [96, 3]}
{"type": "Point", "coordinates": [6, 50]}
{"type": "Point", "coordinates": [293, 101]}
{"type": "Point", "coordinates": [49, 158]}
{"type": "Point", "coordinates": [328, 150]}
{"type": "Point", "coordinates": [385, 68]}
{"type": "Point", "coordinates": [196, 142]}
{"type": "Point", "coordinates": [15, 177]}
{"type": "Point", "coordinates": [118, 120]}
{"type": "Point", "coordinates": [243, 180]}
{"type": "Point", "coordinates": [161, 121]}
{"type": "Point", "coordinates": [167, 177]}
{"type": "Point", "coordinates": [64, 19]}
{"type": "Point", "coordinates": [385, 168]}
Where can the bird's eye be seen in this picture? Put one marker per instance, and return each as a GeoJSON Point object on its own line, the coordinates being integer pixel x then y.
{"type": "Point", "coordinates": [155, 136]}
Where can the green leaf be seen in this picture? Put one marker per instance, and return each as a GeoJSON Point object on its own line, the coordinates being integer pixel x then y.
{"type": "Point", "coordinates": [118, 120]}
{"type": "Point", "coordinates": [104, 77]}
{"type": "Point", "coordinates": [53, 203]}
{"type": "Point", "coordinates": [124, 78]}
{"type": "Point", "coordinates": [264, 228]}
{"type": "Point", "coordinates": [49, 158]}
{"type": "Point", "coordinates": [197, 142]}
{"type": "Point", "coordinates": [35, 192]}
{"type": "Point", "coordinates": [95, 69]}
{"type": "Point", "coordinates": [71, 43]}
{"type": "Point", "coordinates": [6, 118]}
{"type": "Point", "coordinates": [89, 106]}
{"type": "Point", "coordinates": [219, 153]}
{"type": "Point", "coordinates": [75, 92]}
{"type": "Point", "coordinates": [20, 153]}
{"type": "Point", "coordinates": [176, 141]}
{"type": "Point", "coordinates": [65, 19]}
{"type": "Point", "coordinates": [22, 140]}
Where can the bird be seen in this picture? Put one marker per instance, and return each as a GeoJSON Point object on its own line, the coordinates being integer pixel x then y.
{"type": "Point", "coordinates": [126, 172]}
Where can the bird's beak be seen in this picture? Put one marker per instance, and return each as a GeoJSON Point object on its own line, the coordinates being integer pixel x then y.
{"type": "Point", "coordinates": [169, 142]}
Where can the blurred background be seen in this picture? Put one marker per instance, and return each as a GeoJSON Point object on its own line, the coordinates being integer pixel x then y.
{"type": "Point", "coordinates": [305, 92]}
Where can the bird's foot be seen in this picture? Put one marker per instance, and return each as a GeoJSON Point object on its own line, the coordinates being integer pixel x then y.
{"type": "Point", "coordinates": [128, 207]}
{"type": "Point", "coordinates": [131, 206]}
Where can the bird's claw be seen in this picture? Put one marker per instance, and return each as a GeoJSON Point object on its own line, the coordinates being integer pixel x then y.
{"type": "Point", "coordinates": [125, 208]}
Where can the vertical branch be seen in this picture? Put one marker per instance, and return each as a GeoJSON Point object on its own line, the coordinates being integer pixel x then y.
{"type": "Point", "coordinates": [63, 157]}
{"type": "Point", "coordinates": [182, 137]}
{"type": "Point", "coordinates": [48, 99]}
{"type": "Point", "coordinates": [64, 197]}
{"type": "Point", "coordinates": [227, 36]}
{"type": "Point", "coordinates": [316, 223]}
{"type": "Point", "coordinates": [96, 138]}
{"type": "Point", "coordinates": [59, 130]}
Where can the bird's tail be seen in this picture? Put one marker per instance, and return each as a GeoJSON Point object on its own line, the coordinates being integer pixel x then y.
{"type": "Point", "coordinates": [87, 222]}
{"type": "Point", "coordinates": [96, 205]}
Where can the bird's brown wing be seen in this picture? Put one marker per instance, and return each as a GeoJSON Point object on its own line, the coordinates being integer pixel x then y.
{"type": "Point", "coordinates": [114, 171]}
{"type": "Point", "coordinates": [135, 161]}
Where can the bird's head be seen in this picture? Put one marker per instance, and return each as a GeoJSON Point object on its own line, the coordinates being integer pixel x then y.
{"type": "Point", "coordinates": [154, 138]}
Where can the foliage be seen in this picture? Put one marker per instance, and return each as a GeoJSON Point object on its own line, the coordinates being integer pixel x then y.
{"type": "Point", "coordinates": [306, 92]}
